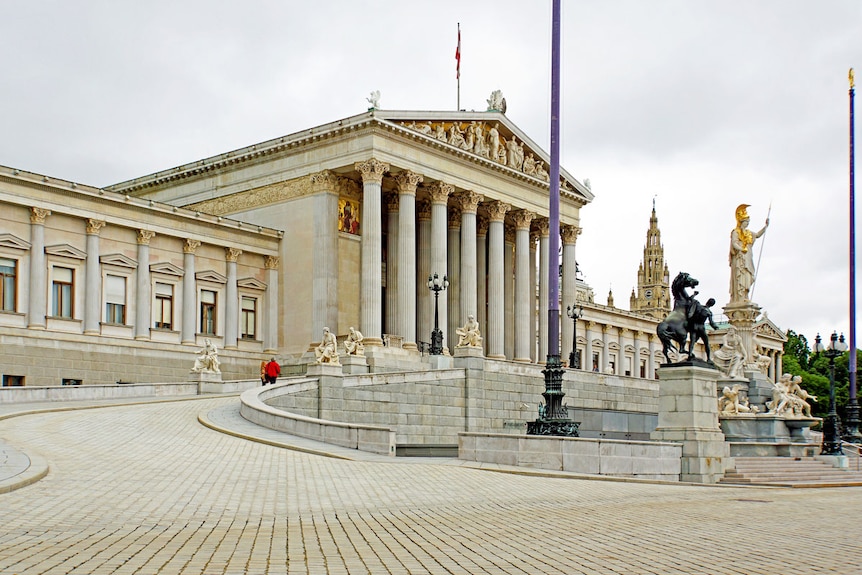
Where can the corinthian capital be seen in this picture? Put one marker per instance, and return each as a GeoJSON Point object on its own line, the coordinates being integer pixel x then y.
{"type": "Point", "coordinates": [372, 170]}
{"type": "Point", "coordinates": [271, 262]}
{"type": "Point", "coordinates": [232, 254]}
{"type": "Point", "coordinates": [522, 219]}
{"type": "Point", "coordinates": [469, 201]}
{"type": "Point", "coordinates": [439, 192]}
{"type": "Point", "coordinates": [407, 182]}
{"type": "Point", "coordinates": [542, 226]}
{"type": "Point", "coordinates": [497, 210]}
{"type": "Point", "coordinates": [324, 181]}
{"type": "Point", "coordinates": [144, 237]}
{"type": "Point", "coordinates": [569, 233]}
{"type": "Point", "coordinates": [38, 215]}
{"type": "Point", "coordinates": [190, 246]}
{"type": "Point", "coordinates": [94, 226]}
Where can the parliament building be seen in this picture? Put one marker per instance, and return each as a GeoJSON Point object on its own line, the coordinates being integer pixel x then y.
{"type": "Point", "coordinates": [338, 226]}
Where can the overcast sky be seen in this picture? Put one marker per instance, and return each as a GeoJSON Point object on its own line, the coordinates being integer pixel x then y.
{"type": "Point", "coordinates": [700, 106]}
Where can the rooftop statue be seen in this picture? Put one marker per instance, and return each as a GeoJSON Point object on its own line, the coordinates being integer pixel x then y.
{"type": "Point", "coordinates": [374, 100]}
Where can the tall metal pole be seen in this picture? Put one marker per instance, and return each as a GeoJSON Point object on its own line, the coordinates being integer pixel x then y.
{"type": "Point", "coordinates": [553, 418]}
{"type": "Point", "coordinates": [852, 421]}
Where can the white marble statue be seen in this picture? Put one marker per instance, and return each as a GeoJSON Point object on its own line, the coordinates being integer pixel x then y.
{"type": "Point", "coordinates": [207, 360]}
{"type": "Point", "coordinates": [789, 399]}
{"type": "Point", "coordinates": [440, 132]}
{"type": "Point", "coordinates": [762, 361]}
{"type": "Point", "coordinates": [730, 404]}
{"type": "Point", "coordinates": [542, 173]}
{"type": "Point", "coordinates": [374, 100]}
{"type": "Point", "coordinates": [469, 336]}
{"type": "Point", "coordinates": [494, 142]}
{"type": "Point", "coordinates": [515, 154]}
{"type": "Point", "coordinates": [742, 270]}
{"type": "Point", "coordinates": [327, 351]}
{"type": "Point", "coordinates": [456, 136]}
{"type": "Point", "coordinates": [496, 102]}
{"type": "Point", "coordinates": [353, 344]}
{"type": "Point", "coordinates": [730, 357]}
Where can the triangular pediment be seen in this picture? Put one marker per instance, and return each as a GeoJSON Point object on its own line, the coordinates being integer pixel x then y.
{"type": "Point", "coordinates": [118, 260]}
{"type": "Point", "coordinates": [251, 283]}
{"type": "Point", "coordinates": [13, 242]}
{"type": "Point", "coordinates": [766, 328]}
{"type": "Point", "coordinates": [66, 251]}
{"type": "Point", "coordinates": [211, 276]}
{"type": "Point", "coordinates": [167, 268]}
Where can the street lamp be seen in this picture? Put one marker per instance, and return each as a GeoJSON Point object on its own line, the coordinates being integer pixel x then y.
{"type": "Point", "coordinates": [831, 425]}
{"type": "Point", "coordinates": [574, 312]}
{"type": "Point", "coordinates": [437, 285]}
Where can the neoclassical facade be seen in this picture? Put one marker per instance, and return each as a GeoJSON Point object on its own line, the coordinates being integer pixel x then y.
{"type": "Point", "coordinates": [261, 248]}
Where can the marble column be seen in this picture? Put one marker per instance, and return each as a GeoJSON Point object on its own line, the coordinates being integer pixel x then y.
{"type": "Point", "coordinates": [779, 367]}
{"type": "Point", "coordinates": [568, 235]}
{"type": "Point", "coordinates": [496, 314]}
{"type": "Point", "coordinates": [371, 305]}
{"type": "Point", "coordinates": [652, 349]}
{"type": "Point", "coordinates": [534, 240]}
{"type": "Point", "coordinates": [542, 225]}
{"type": "Point", "coordinates": [190, 295]}
{"type": "Point", "coordinates": [324, 275]}
{"type": "Point", "coordinates": [606, 352]}
{"type": "Point", "coordinates": [37, 308]}
{"type": "Point", "coordinates": [424, 299]}
{"type": "Point", "coordinates": [231, 321]}
{"type": "Point", "coordinates": [482, 275]}
{"type": "Point", "coordinates": [271, 315]}
{"type": "Point", "coordinates": [407, 182]}
{"type": "Point", "coordinates": [142, 301]}
{"type": "Point", "coordinates": [523, 296]}
{"type": "Point", "coordinates": [587, 358]}
{"type": "Point", "coordinates": [454, 266]}
{"type": "Point", "coordinates": [469, 203]}
{"type": "Point", "coordinates": [93, 287]}
{"type": "Point", "coordinates": [392, 204]}
{"type": "Point", "coordinates": [509, 289]}
{"type": "Point", "coordinates": [439, 193]}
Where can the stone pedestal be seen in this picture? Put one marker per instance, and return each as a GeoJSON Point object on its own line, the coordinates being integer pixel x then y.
{"type": "Point", "coordinates": [208, 381]}
{"type": "Point", "coordinates": [324, 369]}
{"type": "Point", "coordinates": [468, 351]}
{"type": "Point", "coordinates": [354, 364]}
{"type": "Point", "coordinates": [759, 389]}
{"type": "Point", "coordinates": [688, 414]}
{"type": "Point", "coordinates": [440, 361]}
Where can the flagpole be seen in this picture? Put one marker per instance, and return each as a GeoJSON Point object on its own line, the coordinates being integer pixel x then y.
{"type": "Point", "coordinates": [458, 67]}
{"type": "Point", "coordinates": [852, 410]}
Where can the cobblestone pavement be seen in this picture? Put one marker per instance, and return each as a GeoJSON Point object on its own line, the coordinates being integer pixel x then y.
{"type": "Point", "coordinates": [148, 489]}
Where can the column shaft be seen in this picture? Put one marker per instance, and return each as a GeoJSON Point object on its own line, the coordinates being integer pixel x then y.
{"type": "Point", "coordinates": [407, 260]}
{"type": "Point", "coordinates": [271, 315]}
{"type": "Point", "coordinates": [37, 309]}
{"type": "Point", "coordinates": [190, 299]}
{"type": "Point", "coordinates": [424, 299]}
{"type": "Point", "coordinates": [231, 323]}
{"type": "Point", "coordinates": [496, 314]}
{"type": "Point", "coordinates": [142, 301]}
{"type": "Point", "coordinates": [371, 304]}
{"type": "Point", "coordinates": [392, 266]}
{"type": "Point", "coordinates": [509, 290]}
{"type": "Point", "coordinates": [93, 295]}
{"type": "Point", "coordinates": [454, 266]}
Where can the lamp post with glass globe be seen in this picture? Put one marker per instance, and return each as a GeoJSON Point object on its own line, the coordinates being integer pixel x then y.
{"type": "Point", "coordinates": [831, 425]}
{"type": "Point", "coordinates": [574, 312]}
{"type": "Point", "coordinates": [437, 285]}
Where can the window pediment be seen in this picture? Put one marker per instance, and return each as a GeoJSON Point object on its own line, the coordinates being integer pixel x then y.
{"type": "Point", "coordinates": [118, 260]}
{"type": "Point", "coordinates": [66, 251]}
{"type": "Point", "coordinates": [167, 268]}
{"type": "Point", "coordinates": [251, 283]}
{"type": "Point", "coordinates": [211, 276]}
{"type": "Point", "coordinates": [13, 242]}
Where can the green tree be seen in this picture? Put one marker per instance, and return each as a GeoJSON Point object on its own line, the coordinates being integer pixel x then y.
{"type": "Point", "coordinates": [797, 347]}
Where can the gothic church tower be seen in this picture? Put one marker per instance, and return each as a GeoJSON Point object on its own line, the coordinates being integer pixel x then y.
{"type": "Point", "coordinates": [653, 291]}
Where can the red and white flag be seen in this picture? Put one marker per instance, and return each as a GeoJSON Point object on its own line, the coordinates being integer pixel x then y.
{"type": "Point", "coordinates": [458, 55]}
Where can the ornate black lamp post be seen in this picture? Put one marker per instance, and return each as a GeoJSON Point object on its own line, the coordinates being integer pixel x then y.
{"type": "Point", "coordinates": [437, 285]}
{"type": "Point", "coordinates": [831, 425]}
{"type": "Point", "coordinates": [574, 312]}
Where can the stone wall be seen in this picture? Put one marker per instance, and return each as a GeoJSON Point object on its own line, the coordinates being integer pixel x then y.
{"type": "Point", "coordinates": [46, 358]}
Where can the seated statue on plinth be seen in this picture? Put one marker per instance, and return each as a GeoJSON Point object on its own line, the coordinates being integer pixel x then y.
{"type": "Point", "coordinates": [207, 361]}
{"type": "Point", "coordinates": [731, 356]}
{"type": "Point", "coordinates": [469, 336]}
{"type": "Point", "coordinates": [327, 351]}
{"type": "Point", "coordinates": [353, 344]}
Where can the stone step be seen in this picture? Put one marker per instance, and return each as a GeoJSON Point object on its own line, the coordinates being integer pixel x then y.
{"type": "Point", "coordinates": [791, 471]}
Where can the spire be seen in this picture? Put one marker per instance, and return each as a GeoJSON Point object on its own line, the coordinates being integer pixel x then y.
{"type": "Point", "coordinates": [653, 288]}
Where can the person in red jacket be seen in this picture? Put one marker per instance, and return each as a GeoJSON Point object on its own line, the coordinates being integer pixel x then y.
{"type": "Point", "coordinates": [272, 371]}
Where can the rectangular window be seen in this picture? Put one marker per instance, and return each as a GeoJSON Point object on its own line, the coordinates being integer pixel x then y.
{"type": "Point", "coordinates": [8, 272]}
{"type": "Point", "coordinates": [164, 306]}
{"type": "Point", "coordinates": [643, 368]}
{"type": "Point", "coordinates": [249, 317]}
{"type": "Point", "coordinates": [63, 282]}
{"type": "Point", "coordinates": [13, 381]}
{"type": "Point", "coordinates": [208, 312]}
{"type": "Point", "coordinates": [115, 299]}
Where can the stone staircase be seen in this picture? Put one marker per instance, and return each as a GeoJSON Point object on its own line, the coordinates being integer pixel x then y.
{"type": "Point", "coordinates": [791, 472]}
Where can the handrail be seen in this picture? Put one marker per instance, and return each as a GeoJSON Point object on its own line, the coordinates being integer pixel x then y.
{"type": "Point", "coordinates": [856, 447]}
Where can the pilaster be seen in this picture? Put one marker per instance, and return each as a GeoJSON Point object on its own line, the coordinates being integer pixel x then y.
{"type": "Point", "coordinates": [37, 308]}
{"type": "Point", "coordinates": [93, 287]}
{"type": "Point", "coordinates": [231, 322]}
{"type": "Point", "coordinates": [189, 291]}
{"type": "Point", "coordinates": [142, 302]}
{"type": "Point", "coordinates": [270, 335]}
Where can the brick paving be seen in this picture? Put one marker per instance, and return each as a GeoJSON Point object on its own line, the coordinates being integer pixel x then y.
{"type": "Point", "coordinates": [147, 489]}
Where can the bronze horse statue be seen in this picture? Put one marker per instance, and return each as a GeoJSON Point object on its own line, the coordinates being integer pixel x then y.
{"type": "Point", "coordinates": [676, 327]}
